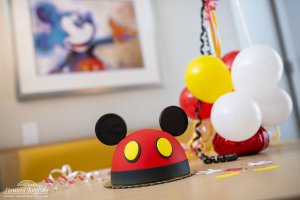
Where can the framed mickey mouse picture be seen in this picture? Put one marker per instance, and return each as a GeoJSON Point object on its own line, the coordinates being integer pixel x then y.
{"type": "Point", "coordinates": [68, 46]}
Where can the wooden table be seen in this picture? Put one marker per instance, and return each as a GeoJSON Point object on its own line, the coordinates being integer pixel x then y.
{"type": "Point", "coordinates": [280, 183]}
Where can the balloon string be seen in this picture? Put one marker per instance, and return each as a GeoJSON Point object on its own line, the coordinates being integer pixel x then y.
{"type": "Point", "coordinates": [202, 29]}
{"type": "Point", "coordinates": [198, 133]}
{"type": "Point", "coordinates": [199, 121]}
{"type": "Point", "coordinates": [243, 21]}
{"type": "Point", "coordinates": [204, 39]}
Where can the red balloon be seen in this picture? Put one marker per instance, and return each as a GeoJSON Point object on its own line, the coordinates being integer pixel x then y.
{"type": "Point", "coordinates": [254, 145]}
{"type": "Point", "coordinates": [189, 104]}
{"type": "Point", "coordinates": [229, 57]}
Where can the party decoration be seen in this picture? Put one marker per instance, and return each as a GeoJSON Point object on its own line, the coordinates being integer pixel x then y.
{"type": "Point", "coordinates": [275, 107]}
{"type": "Point", "coordinates": [254, 145]}
{"type": "Point", "coordinates": [67, 177]}
{"type": "Point", "coordinates": [189, 104]}
{"type": "Point", "coordinates": [228, 175]}
{"type": "Point", "coordinates": [236, 117]}
{"type": "Point", "coordinates": [229, 57]}
{"type": "Point", "coordinates": [209, 171]}
{"type": "Point", "coordinates": [219, 158]}
{"type": "Point", "coordinates": [204, 145]}
{"type": "Point", "coordinates": [232, 169]}
{"type": "Point", "coordinates": [244, 96]}
{"type": "Point", "coordinates": [207, 135]}
{"type": "Point", "coordinates": [207, 78]}
{"type": "Point", "coordinates": [210, 7]}
{"type": "Point", "coordinates": [275, 138]}
{"type": "Point", "coordinates": [256, 70]}
{"type": "Point", "coordinates": [146, 156]}
{"type": "Point", "coordinates": [240, 169]}
{"type": "Point", "coordinates": [263, 162]}
{"type": "Point", "coordinates": [201, 144]}
{"type": "Point", "coordinates": [265, 168]}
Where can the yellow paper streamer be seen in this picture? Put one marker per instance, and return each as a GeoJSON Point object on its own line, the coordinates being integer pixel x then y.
{"type": "Point", "coordinates": [215, 34]}
{"type": "Point", "coordinates": [275, 139]}
{"type": "Point", "coordinates": [265, 168]}
{"type": "Point", "coordinates": [228, 175]}
{"type": "Point", "coordinates": [207, 137]}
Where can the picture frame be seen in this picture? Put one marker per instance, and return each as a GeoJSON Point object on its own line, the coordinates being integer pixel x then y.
{"type": "Point", "coordinates": [121, 67]}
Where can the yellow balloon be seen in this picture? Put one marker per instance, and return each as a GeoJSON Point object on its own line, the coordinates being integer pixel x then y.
{"type": "Point", "coordinates": [207, 78]}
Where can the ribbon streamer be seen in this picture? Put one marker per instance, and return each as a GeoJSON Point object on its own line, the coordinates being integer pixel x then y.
{"type": "Point", "coordinates": [210, 7]}
{"type": "Point", "coordinates": [202, 143]}
{"type": "Point", "coordinates": [276, 135]}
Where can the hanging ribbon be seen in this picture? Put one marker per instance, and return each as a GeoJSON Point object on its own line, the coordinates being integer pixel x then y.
{"type": "Point", "coordinates": [210, 7]}
{"type": "Point", "coordinates": [243, 21]}
{"type": "Point", "coordinates": [204, 144]}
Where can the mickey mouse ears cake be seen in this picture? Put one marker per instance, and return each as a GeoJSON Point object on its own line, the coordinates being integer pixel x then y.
{"type": "Point", "coordinates": [147, 156]}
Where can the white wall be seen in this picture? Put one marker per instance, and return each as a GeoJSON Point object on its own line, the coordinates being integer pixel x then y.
{"type": "Point", "coordinates": [62, 118]}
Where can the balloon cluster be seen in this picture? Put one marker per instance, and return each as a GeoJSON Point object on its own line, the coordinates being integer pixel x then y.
{"type": "Point", "coordinates": [240, 96]}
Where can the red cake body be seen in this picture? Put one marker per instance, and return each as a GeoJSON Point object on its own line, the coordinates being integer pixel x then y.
{"type": "Point", "coordinates": [149, 156]}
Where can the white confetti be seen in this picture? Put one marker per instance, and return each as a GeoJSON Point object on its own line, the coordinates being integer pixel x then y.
{"type": "Point", "coordinates": [252, 164]}
{"type": "Point", "coordinates": [208, 171]}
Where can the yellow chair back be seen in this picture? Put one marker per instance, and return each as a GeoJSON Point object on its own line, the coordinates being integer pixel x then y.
{"type": "Point", "coordinates": [35, 163]}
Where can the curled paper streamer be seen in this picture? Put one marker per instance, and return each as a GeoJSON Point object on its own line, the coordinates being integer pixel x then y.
{"type": "Point", "coordinates": [67, 176]}
{"type": "Point", "coordinates": [205, 142]}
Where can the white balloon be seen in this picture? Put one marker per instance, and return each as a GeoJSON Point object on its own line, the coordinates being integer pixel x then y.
{"type": "Point", "coordinates": [275, 107]}
{"type": "Point", "coordinates": [256, 70]}
{"type": "Point", "coordinates": [236, 117]}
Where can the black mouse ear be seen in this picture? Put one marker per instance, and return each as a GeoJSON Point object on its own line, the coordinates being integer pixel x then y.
{"type": "Point", "coordinates": [173, 120]}
{"type": "Point", "coordinates": [110, 129]}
